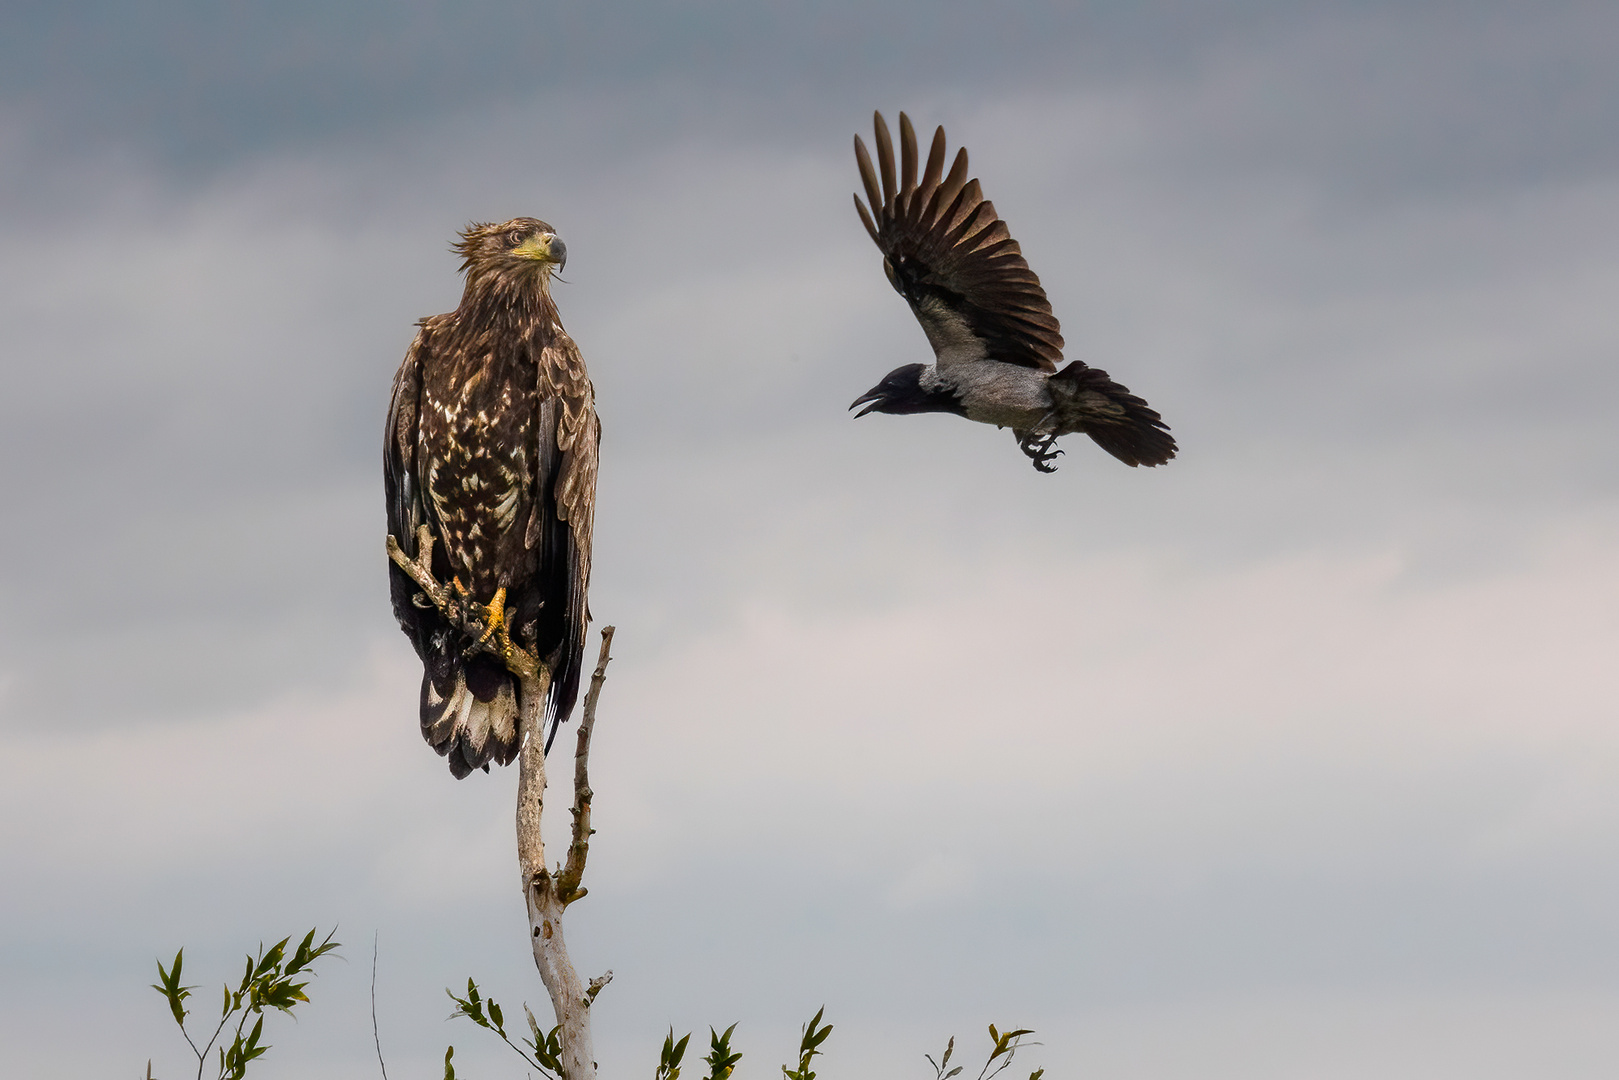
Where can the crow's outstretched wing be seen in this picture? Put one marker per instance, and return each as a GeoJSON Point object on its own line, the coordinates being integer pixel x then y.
{"type": "Point", "coordinates": [951, 256]}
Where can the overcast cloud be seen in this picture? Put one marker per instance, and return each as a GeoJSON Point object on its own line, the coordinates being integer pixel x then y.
{"type": "Point", "coordinates": [1297, 757]}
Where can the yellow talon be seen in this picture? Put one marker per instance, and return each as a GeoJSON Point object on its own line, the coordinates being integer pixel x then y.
{"type": "Point", "coordinates": [454, 601]}
{"type": "Point", "coordinates": [494, 614]}
{"type": "Point", "coordinates": [519, 661]}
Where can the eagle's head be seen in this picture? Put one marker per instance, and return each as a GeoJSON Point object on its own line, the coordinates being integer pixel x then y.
{"type": "Point", "coordinates": [519, 247]}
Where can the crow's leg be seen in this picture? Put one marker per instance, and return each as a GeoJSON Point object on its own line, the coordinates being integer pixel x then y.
{"type": "Point", "coordinates": [1041, 448]}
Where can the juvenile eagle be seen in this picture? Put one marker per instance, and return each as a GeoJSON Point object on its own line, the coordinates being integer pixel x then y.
{"type": "Point", "coordinates": [490, 464]}
{"type": "Point", "coordinates": [995, 340]}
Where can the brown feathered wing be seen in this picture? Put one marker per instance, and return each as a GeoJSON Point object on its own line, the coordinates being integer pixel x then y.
{"type": "Point", "coordinates": [948, 252]}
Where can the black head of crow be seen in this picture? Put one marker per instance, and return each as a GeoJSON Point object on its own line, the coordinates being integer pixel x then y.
{"type": "Point", "coordinates": [901, 392]}
{"type": "Point", "coordinates": [995, 341]}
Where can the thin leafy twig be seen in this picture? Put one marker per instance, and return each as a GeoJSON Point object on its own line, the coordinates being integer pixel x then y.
{"type": "Point", "coordinates": [544, 1048]}
{"type": "Point", "coordinates": [721, 1058]}
{"type": "Point", "coordinates": [1006, 1046]}
{"type": "Point", "coordinates": [267, 983]}
{"type": "Point", "coordinates": [809, 1045]}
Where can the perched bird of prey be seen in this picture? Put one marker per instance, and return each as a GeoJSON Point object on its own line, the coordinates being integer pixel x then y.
{"type": "Point", "coordinates": [995, 340]}
{"type": "Point", "coordinates": [490, 466]}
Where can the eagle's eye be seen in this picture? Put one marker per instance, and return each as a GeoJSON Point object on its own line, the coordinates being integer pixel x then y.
{"type": "Point", "coordinates": [515, 237]}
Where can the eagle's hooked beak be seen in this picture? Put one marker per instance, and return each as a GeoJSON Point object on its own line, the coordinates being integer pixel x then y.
{"type": "Point", "coordinates": [546, 247]}
{"type": "Point", "coordinates": [874, 395]}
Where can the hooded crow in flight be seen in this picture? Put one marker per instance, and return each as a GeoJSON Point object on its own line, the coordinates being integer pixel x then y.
{"type": "Point", "coordinates": [995, 341]}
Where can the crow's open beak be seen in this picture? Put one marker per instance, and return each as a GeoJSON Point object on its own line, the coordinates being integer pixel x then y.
{"type": "Point", "coordinates": [874, 396]}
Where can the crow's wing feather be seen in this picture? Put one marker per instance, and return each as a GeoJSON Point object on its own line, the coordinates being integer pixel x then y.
{"type": "Point", "coordinates": [948, 252]}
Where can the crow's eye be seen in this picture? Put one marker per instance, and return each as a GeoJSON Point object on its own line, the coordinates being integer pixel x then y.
{"type": "Point", "coordinates": [515, 237]}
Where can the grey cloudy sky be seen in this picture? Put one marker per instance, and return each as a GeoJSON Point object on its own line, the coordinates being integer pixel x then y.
{"type": "Point", "coordinates": [1298, 757]}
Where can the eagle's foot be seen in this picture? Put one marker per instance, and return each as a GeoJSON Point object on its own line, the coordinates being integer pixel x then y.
{"type": "Point", "coordinates": [485, 623]}
{"type": "Point", "coordinates": [497, 638]}
{"type": "Point", "coordinates": [494, 617]}
{"type": "Point", "coordinates": [1041, 450]}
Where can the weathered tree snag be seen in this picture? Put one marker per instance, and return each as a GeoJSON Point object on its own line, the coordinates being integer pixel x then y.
{"type": "Point", "coordinates": [548, 894]}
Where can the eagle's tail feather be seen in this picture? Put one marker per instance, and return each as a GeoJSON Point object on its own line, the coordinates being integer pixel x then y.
{"type": "Point", "coordinates": [470, 716]}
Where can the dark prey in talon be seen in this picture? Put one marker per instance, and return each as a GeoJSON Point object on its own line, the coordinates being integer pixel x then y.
{"type": "Point", "coordinates": [996, 344]}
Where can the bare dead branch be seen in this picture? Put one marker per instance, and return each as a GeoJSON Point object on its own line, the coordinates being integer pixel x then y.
{"type": "Point", "coordinates": [420, 569]}
{"type": "Point", "coordinates": [547, 894]}
{"type": "Point", "coordinates": [568, 883]}
{"type": "Point", "coordinates": [531, 777]}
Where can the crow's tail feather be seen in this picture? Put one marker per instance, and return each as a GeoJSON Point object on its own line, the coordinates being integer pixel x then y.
{"type": "Point", "coordinates": [1118, 421]}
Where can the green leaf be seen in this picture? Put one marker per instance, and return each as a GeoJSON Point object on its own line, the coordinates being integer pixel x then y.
{"type": "Point", "coordinates": [271, 961]}
{"type": "Point", "coordinates": [301, 955]}
{"type": "Point", "coordinates": [551, 1055]}
{"type": "Point", "coordinates": [669, 1063]}
{"type": "Point", "coordinates": [721, 1061]}
{"type": "Point", "coordinates": [811, 1039]}
{"type": "Point", "coordinates": [533, 1027]}
{"type": "Point", "coordinates": [470, 1006]}
{"type": "Point", "coordinates": [168, 985]}
{"type": "Point", "coordinates": [449, 1070]}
